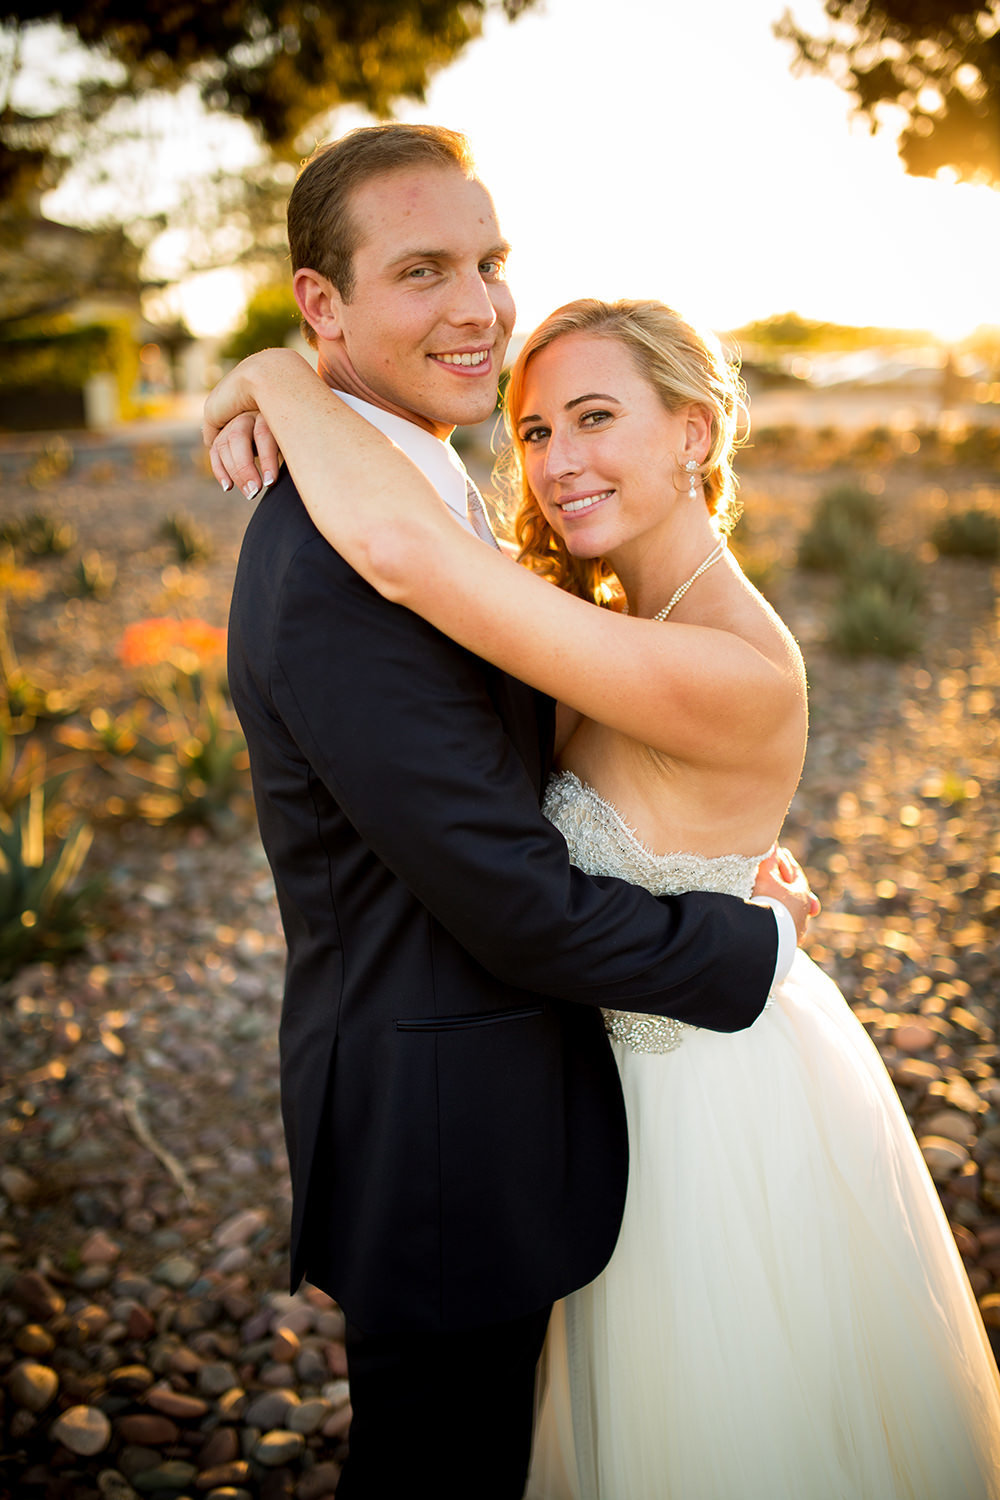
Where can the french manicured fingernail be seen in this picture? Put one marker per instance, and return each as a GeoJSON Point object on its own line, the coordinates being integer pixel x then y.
{"type": "Point", "coordinates": [227, 485]}
{"type": "Point", "coordinates": [268, 478]}
{"type": "Point", "coordinates": [251, 489]}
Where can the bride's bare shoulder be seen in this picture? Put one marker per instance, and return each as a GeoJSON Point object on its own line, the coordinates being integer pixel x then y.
{"type": "Point", "coordinates": [766, 630]}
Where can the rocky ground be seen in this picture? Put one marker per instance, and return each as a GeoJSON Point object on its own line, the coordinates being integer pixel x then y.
{"type": "Point", "coordinates": [147, 1346]}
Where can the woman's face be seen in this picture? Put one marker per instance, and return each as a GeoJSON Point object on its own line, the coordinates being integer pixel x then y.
{"type": "Point", "coordinates": [601, 453]}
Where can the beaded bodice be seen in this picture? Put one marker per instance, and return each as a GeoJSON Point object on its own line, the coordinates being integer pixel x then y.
{"type": "Point", "coordinates": [602, 843]}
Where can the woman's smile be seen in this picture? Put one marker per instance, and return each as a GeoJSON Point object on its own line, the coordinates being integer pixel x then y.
{"type": "Point", "coordinates": [574, 504]}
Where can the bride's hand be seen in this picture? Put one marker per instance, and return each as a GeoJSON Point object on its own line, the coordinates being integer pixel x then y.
{"type": "Point", "coordinates": [242, 448]}
{"type": "Point", "coordinates": [244, 453]}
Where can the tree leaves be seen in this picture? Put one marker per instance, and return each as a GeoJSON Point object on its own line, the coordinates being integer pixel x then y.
{"type": "Point", "coordinates": [280, 65]}
{"type": "Point", "coordinates": [936, 60]}
{"type": "Point", "coordinates": [275, 62]}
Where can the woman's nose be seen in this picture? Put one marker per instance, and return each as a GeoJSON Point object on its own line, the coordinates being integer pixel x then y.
{"type": "Point", "coordinates": [561, 459]}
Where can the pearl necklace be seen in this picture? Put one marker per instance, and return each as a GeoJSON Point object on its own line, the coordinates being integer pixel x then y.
{"type": "Point", "coordinates": [678, 595]}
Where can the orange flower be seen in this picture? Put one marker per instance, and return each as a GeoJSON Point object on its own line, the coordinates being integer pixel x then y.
{"type": "Point", "coordinates": [206, 641]}
{"type": "Point", "coordinates": [186, 643]}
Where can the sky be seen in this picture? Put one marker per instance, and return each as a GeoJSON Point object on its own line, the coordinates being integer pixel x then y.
{"type": "Point", "coordinates": [653, 148]}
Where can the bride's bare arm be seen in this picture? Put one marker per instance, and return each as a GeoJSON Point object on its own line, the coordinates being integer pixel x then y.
{"type": "Point", "coordinates": [698, 694]}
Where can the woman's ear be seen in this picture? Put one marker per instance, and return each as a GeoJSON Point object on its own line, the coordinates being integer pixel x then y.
{"type": "Point", "coordinates": [697, 433]}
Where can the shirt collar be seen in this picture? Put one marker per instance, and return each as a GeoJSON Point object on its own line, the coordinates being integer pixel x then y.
{"type": "Point", "coordinates": [436, 459]}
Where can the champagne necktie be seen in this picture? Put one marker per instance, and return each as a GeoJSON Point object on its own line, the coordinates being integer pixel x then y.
{"type": "Point", "coordinates": [476, 511]}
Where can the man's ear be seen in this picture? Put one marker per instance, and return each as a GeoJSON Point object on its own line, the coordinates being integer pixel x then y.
{"type": "Point", "coordinates": [319, 303]}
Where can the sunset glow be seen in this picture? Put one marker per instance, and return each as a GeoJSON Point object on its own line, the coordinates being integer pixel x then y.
{"type": "Point", "coordinates": [666, 151]}
{"type": "Point", "coordinates": [669, 151]}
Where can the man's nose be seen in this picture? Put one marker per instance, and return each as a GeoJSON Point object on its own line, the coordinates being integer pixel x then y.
{"type": "Point", "coordinates": [472, 303]}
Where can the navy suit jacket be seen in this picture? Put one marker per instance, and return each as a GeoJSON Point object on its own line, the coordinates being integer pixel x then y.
{"type": "Point", "coordinates": [452, 1109]}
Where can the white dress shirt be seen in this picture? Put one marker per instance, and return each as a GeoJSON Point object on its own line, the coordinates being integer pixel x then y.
{"type": "Point", "coordinates": [435, 459]}
{"type": "Point", "coordinates": [439, 463]}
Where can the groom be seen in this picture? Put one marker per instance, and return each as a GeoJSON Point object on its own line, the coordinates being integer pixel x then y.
{"type": "Point", "coordinates": [453, 1114]}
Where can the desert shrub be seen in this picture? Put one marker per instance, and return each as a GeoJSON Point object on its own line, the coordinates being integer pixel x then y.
{"type": "Point", "coordinates": [899, 574]}
{"type": "Point", "coordinates": [875, 444]}
{"type": "Point", "coordinates": [928, 438]}
{"type": "Point", "coordinates": [867, 620]}
{"type": "Point", "coordinates": [844, 526]}
{"type": "Point", "coordinates": [978, 446]}
{"type": "Point", "coordinates": [773, 441]}
{"type": "Point", "coordinates": [191, 542]}
{"type": "Point", "coordinates": [968, 533]}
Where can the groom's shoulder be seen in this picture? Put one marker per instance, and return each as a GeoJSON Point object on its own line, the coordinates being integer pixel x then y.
{"type": "Point", "coordinates": [279, 528]}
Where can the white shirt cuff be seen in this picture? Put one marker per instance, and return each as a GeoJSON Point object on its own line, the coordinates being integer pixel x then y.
{"type": "Point", "coordinates": [788, 938]}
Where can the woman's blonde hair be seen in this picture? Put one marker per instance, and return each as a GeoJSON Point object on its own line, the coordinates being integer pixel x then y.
{"type": "Point", "coordinates": [682, 366]}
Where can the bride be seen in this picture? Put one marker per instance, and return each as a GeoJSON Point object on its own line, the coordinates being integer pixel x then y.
{"type": "Point", "coordinates": [785, 1316]}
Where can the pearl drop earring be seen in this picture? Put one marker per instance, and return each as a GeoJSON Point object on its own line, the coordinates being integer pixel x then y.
{"type": "Point", "coordinates": [692, 469]}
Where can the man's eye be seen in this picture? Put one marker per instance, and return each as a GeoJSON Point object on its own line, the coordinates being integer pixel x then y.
{"type": "Point", "coordinates": [494, 268]}
{"type": "Point", "coordinates": [420, 272]}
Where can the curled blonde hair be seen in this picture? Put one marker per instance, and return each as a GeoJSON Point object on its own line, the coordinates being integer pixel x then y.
{"type": "Point", "coordinates": [682, 366]}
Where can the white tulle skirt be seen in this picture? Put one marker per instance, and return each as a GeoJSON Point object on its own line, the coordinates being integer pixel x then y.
{"type": "Point", "coordinates": [785, 1316]}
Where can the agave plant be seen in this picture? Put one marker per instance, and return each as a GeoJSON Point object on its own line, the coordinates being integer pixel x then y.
{"type": "Point", "coordinates": [199, 770]}
{"type": "Point", "coordinates": [92, 577]}
{"type": "Point", "coordinates": [42, 907]}
{"type": "Point", "coordinates": [46, 536]}
{"type": "Point", "coordinates": [190, 540]}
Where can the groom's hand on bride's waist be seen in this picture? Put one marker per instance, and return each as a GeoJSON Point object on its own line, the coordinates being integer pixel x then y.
{"type": "Point", "coordinates": [780, 877]}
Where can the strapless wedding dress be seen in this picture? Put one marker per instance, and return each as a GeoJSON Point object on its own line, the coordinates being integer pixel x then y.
{"type": "Point", "coordinates": [785, 1316]}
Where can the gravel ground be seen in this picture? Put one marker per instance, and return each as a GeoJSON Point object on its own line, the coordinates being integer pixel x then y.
{"type": "Point", "coordinates": [147, 1346]}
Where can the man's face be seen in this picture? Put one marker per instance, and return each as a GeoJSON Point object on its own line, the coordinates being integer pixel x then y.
{"type": "Point", "coordinates": [427, 326]}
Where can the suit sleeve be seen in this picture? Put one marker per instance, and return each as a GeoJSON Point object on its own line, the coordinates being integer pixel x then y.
{"type": "Point", "coordinates": [397, 722]}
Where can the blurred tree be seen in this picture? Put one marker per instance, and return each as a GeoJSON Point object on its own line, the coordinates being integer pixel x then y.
{"type": "Point", "coordinates": [277, 64]}
{"type": "Point", "coordinates": [47, 268]}
{"type": "Point", "coordinates": [936, 61]}
{"type": "Point", "coordinates": [791, 331]}
{"type": "Point", "coordinates": [271, 315]}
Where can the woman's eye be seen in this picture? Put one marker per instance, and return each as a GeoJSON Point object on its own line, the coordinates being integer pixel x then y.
{"type": "Point", "coordinates": [594, 418]}
{"type": "Point", "coordinates": [534, 435]}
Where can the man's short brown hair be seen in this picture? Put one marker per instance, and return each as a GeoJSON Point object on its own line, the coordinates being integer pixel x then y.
{"type": "Point", "coordinates": [322, 234]}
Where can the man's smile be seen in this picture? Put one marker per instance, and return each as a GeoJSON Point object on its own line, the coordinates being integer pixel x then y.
{"type": "Point", "coordinates": [466, 359]}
